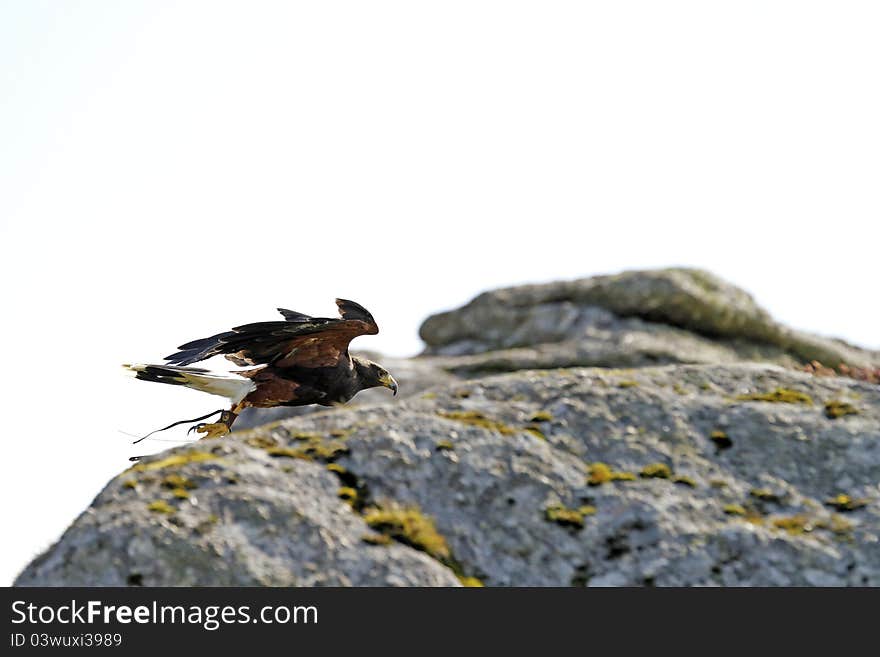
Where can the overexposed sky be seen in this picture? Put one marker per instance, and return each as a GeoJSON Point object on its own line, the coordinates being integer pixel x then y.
{"type": "Point", "coordinates": [171, 169]}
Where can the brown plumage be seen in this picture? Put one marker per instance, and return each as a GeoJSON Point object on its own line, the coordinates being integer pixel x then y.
{"type": "Point", "coordinates": [295, 362]}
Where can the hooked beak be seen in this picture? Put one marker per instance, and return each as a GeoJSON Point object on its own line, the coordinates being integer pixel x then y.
{"type": "Point", "coordinates": [389, 382]}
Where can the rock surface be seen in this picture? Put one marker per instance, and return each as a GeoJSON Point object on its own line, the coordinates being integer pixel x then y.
{"type": "Point", "coordinates": [632, 319]}
{"type": "Point", "coordinates": [768, 492]}
{"type": "Point", "coordinates": [724, 466]}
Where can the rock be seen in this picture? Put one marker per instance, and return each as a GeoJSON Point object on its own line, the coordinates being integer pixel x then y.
{"type": "Point", "coordinates": [243, 519]}
{"type": "Point", "coordinates": [720, 468]}
{"type": "Point", "coordinates": [631, 319]}
{"type": "Point", "coordinates": [501, 466]}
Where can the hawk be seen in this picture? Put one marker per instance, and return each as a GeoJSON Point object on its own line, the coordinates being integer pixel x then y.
{"type": "Point", "coordinates": [295, 362]}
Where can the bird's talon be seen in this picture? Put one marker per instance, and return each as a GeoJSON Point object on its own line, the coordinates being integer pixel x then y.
{"type": "Point", "coordinates": [197, 427]}
{"type": "Point", "coordinates": [214, 430]}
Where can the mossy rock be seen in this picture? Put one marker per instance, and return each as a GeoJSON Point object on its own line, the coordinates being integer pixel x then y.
{"type": "Point", "coordinates": [566, 517]}
{"type": "Point", "coordinates": [377, 539]}
{"type": "Point", "coordinates": [602, 473]}
{"type": "Point", "coordinates": [835, 409]}
{"type": "Point", "coordinates": [764, 494]}
{"type": "Point", "coordinates": [307, 436]}
{"type": "Point", "coordinates": [311, 447]}
{"type": "Point", "coordinates": [779, 396]}
{"type": "Point", "coordinates": [348, 494]}
{"type": "Point", "coordinates": [836, 524]}
{"type": "Point", "coordinates": [656, 471]}
{"type": "Point", "coordinates": [411, 527]}
{"type": "Point", "coordinates": [470, 582]}
{"type": "Point", "coordinates": [177, 481]}
{"type": "Point", "coordinates": [477, 419]}
{"type": "Point", "coordinates": [287, 452]}
{"type": "Point", "coordinates": [844, 502]}
{"type": "Point", "coordinates": [795, 524]}
{"type": "Point", "coordinates": [721, 439]}
{"type": "Point", "coordinates": [175, 461]}
{"type": "Point", "coordinates": [161, 506]}
{"type": "Point", "coordinates": [261, 442]}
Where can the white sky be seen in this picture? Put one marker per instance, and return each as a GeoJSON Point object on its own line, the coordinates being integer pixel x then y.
{"type": "Point", "coordinates": [170, 169]}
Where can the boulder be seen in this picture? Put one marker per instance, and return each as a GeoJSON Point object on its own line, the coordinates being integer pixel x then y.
{"type": "Point", "coordinates": [723, 474]}
{"type": "Point", "coordinates": [631, 319]}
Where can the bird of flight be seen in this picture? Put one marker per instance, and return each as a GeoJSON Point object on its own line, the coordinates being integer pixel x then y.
{"type": "Point", "coordinates": [295, 362]}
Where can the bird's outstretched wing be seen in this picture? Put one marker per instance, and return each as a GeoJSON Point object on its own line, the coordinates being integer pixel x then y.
{"type": "Point", "coordinates": [299, 341]}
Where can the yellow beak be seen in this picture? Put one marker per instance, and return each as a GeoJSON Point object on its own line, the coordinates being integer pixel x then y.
{"type": "Point", "coordinates": [388, 381]}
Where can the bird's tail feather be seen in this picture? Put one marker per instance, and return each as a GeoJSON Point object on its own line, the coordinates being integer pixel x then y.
{"type": "Point", "coordinates": [231, 386]}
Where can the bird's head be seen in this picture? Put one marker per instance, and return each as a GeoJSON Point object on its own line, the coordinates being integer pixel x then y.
{"type": "Point", "coordinates": [373, 375]}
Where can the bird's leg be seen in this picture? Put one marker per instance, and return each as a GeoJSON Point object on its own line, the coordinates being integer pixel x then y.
{"type": "Point", "coordinates": [220, 428]}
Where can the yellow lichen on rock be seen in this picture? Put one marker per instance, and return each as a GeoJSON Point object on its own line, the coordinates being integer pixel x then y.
{"type": "Point", "coordinates": [779, 396]}
{"type": "Point", "coordinates": [601, 473]}
{"type": "Point", "coordinates": [566, 517]}
{"type": "Point", "coordinates": [178, 481]}
{"type": "Point", "coordinates": [161, 506]}
{"type": "Point", "coordinates": [835, 408]}
{"type": "Point", "coordinates": [477, 419]}
{"type": "Point", "coordinates": [377, 539]}
{"type": "Point", "coordinates": [312, 447]}
{"type": "Point", "coordinates": [348, 494]}
{"type": "Point", "coordinates": [720, 438]}
{"type": "Point", "coordinates": [656, 471]}
{"type": "Point", "coordinates": [796, 524]}
{"type": "Point", "coordinates": [470, 582]}
{"type": "Point", "coordinates": [411, 527]}
{"type": "Point", "coordinates": [176, 460]}
{"type": "Point", "coordinates": [764, 494]}
{"type": "Point", "coordinates": [844, 502]}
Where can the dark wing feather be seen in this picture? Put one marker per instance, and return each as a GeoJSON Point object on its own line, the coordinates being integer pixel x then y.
{"type": "Point", "coordinates": [293, 316]}
{"type": "Point", "coordinates": [351, 310]}
{"type": "Point", "coordinates": [300, 342]}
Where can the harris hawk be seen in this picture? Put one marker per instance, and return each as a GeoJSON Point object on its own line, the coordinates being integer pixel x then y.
{"type": "Point", "coordinates": [299, 361]}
